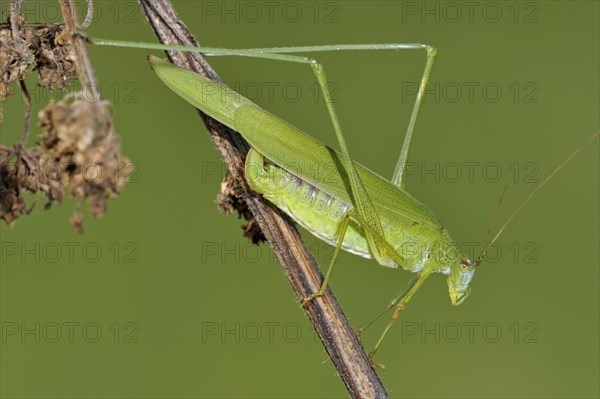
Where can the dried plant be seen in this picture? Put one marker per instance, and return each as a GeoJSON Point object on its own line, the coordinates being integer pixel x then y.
{"type": "Point", "coordinates": [79, 148]}
{"type": "Point", "coordinates": [82, 143]}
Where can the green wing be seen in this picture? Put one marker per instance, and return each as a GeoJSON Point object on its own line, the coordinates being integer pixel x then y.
{"type": "Point", "coordinates": [314, 162]}
{"type": "Point", "coordinates": [287, 146]}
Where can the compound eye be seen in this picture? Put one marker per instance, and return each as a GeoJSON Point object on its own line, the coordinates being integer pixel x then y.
{"type": "Point", "coordinates": [465, 263]}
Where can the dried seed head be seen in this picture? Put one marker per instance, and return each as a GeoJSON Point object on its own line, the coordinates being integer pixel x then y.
{"type": "Point", "coordinates": [81, 139]}
{"type": "Point", "coordinates": [11, 200]}
{"type": "Point", "coordinates": [55, 60]}
{"type": "Point", "coordinates": [15, 56]}
{"type": "Point", "coordinates": [40, 48]}
{"type": "Point", "coordinates": [229, 200]}
{"type": "Point", "coordinates": [26, 170]}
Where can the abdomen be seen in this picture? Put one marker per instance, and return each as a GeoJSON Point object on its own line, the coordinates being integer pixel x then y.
{"type": "Point", "coordinates": [322, 214]}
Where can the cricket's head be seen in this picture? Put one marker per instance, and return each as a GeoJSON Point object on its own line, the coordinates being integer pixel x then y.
{"type": "Point", "coordinates": [459, 279]}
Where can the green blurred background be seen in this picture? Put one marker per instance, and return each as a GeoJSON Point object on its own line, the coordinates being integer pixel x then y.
{"type": "Point", "coordinates": [166, 299]}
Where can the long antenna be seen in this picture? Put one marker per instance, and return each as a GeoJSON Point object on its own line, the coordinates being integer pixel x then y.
{"type": "Point", "coordinates": [532, 194]}
{"type": "Point", "coordinates": [484, 245]}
